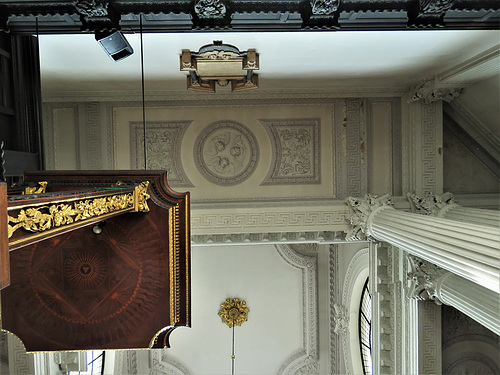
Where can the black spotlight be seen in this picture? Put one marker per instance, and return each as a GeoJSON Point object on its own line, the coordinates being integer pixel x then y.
{"type": "Point", "coordinates": [115, 44]}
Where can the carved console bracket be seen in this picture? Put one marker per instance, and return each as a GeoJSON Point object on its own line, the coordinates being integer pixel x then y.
{"type": "Point", "coordinates": [361, 208]}
{"type": "Point", "coordinates": [423, 279]}
{"type": "Point", "coordinates": [431, 13]}
{"type": "Point", "coordinates": [430, 204]}
{"type": "Point", "coordinates": [324, 12]}
{"type": "Point", "coordinates": [210, 9]}
{"type": "Point", "coordinates": [97, 15]}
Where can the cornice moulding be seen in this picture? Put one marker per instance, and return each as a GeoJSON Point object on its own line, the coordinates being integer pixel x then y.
{"type": "Point", "coordinates": [182, 96]}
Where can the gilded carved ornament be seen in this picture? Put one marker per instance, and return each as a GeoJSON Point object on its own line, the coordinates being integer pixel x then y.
{"type": "Point", "coordinates": [233, 312]}
{"type": "Point", "coordinates": [38, 219]}
{"type": "Point", "coordinates": [42, 186]}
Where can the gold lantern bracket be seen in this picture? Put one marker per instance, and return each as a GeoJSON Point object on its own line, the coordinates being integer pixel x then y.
{"type": "Point", "coordinates": [233, 312]}
{"type": "Point", "coordinates": [220, 64]}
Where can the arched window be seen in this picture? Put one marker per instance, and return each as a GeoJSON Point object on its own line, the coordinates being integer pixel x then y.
{"type": "Point", "coordinates": [365, 329]}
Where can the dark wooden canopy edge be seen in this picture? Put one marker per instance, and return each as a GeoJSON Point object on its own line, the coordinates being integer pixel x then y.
{"type": "Point", "coordinates": [28, 307]}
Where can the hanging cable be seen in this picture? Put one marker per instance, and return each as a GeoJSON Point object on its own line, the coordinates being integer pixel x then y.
{"type": "Point", "coordinates": [232, 353]}
{"type": "Point", "coordinates": [142, 91]}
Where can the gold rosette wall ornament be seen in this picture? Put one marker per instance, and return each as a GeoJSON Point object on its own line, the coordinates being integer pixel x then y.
{"type": "Point", "coordinates": [233, 312]}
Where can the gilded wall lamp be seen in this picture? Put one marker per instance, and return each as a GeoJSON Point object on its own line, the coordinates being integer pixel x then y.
{"type": "Point", "coordinates": [233, 312]}
{"type": "Point", "coordinates": [220, 64]}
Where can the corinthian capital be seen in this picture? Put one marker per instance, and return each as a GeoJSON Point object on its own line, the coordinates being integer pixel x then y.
{"type": "Point", "coordinates": [430, 204]}
{"type": "Point", "coordinates": [361, 209]}
{"type": "Point", "coordinates": [423, 279]}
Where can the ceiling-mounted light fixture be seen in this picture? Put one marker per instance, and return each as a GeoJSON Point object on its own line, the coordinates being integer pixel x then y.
{"type": "Point", "coordinates": [220, 64]}
{"type": "Point", "coordinates": [114, 44]}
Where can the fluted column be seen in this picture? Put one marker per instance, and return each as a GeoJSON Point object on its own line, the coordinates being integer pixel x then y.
{"type": "Point", "coordinates": [431, 282]}
{"type": "Point", "coordinates": [468, 250]}
{"type": "Point", "coordinates": [446, 207]}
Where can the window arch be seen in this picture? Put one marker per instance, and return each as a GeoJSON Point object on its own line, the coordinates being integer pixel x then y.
{"type": "Point", "coordinates": [365, 329]}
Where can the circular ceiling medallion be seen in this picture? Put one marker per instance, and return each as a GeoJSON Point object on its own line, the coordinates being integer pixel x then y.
{"type": "Point", "coordinates": [226, 152]}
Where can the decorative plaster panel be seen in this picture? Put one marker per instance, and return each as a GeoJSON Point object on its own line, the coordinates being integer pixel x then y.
{"type": "Point", "coordinates": [93, 135]}
{"type": "Point", "coordinates": [296, 151]}
{"type": "Point", "coordinates": [306, 360]}
{"type": "Point", "coordinates": [163, 140]}
{"type": "Point", "coordinates": [350, 147]}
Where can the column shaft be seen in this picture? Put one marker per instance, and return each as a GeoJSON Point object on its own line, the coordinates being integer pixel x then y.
{"type": "Point", "coordinates": [468, 250]}
{"type": "Point", "coordinates": [481, 304]}
{"type": "Point", "coordinates": [477, 216]}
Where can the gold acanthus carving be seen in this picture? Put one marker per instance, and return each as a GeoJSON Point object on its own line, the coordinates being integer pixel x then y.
{"type": "Point", "coordinates": [36, 189]}
{"type": "Point", "coordinates": [38, 219]}
{"type": "Point", "coordinates": [233, 312]}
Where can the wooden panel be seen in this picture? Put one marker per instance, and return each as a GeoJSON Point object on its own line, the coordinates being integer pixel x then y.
{"type": "Point", "coordinates": [125, 288]}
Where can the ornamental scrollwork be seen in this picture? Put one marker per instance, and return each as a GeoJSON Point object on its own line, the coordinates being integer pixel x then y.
{"type": "Point", "coordinates": [233, 312]}
{"type": "Point", "coordinates": [210, 9]}
{"type": "Point", "coordinates": [435, 6]}
{"type": "Point", "coordinates": [324, 7]}
{"type": "Point", "coordinates": [38, 219]}
{"type": "Point", "coordinates": [341, 319]}
{"type": "Point", "coordinates": [92, 8]}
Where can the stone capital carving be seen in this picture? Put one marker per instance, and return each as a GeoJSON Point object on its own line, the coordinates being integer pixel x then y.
{"type": "Point", "coordinates": [324, 7]}
{"type": "Point", "coordinates": [423, 279]}
{"type": "Point", "coordinates": [210, 9]}
{"type": "Point", "coordinates": [361, 210]}
{"type": "Point", "coordinates": [430, 204]}
{"type": "Point", "coordinates": [429, 91]}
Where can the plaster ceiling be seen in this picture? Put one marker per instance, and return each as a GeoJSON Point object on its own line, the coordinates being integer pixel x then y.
{"type": "Point", "coordinates": [288, 60]}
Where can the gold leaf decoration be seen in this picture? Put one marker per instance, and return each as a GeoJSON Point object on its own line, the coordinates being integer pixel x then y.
{"type": "Point", "coordinates": [47, 217]}
{"type": "Point", "coordinates": [37, 189]}
{"type": "Point", "coordinates": [233, 311]}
